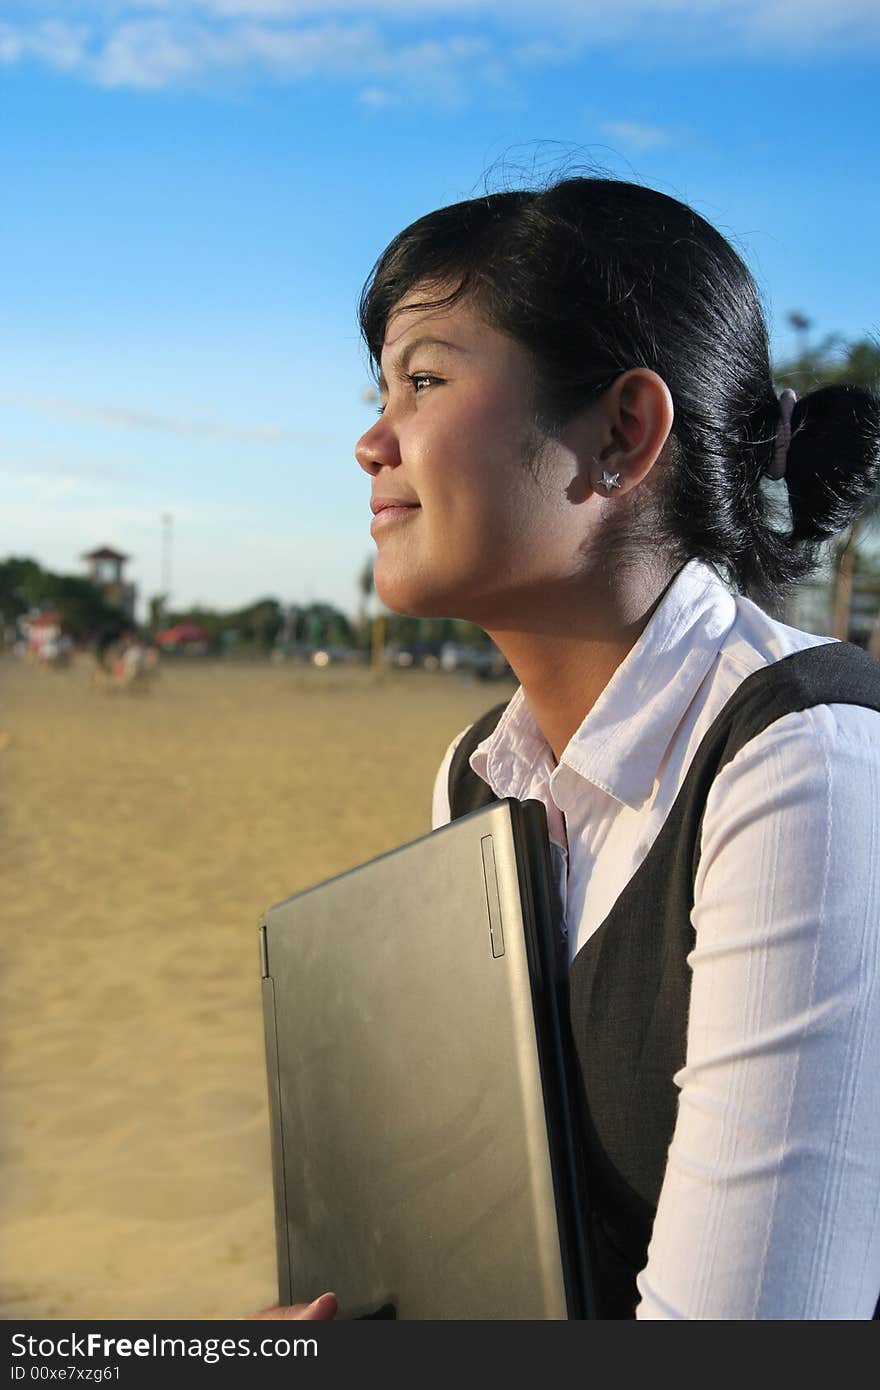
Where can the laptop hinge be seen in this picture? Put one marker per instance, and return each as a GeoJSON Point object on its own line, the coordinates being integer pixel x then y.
{"type": "Point", "coordinates": [264, 952]}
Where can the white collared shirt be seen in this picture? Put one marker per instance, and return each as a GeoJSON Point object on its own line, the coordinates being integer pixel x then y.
{"type": "Point", "coordinates": [770, 1206]}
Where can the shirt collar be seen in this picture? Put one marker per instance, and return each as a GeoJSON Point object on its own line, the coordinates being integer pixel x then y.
{"type": "Point", "coordinates": [621, 743]}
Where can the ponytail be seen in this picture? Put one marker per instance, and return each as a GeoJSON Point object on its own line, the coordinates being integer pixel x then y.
{"type": "Point", "coordinates": [833, 460]}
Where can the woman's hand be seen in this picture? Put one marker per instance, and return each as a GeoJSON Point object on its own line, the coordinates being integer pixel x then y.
{"type": "Point", "coordinates": [321, 1309]}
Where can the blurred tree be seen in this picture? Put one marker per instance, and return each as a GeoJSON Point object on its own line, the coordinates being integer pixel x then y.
{"type": "Point", "coordinates": [325, 625]}
{"type": "Point", "coordinates": [83, 611]}
{"type": "Point", "coordinates": [156, 609]}
{"type": "Point", "coordinates": [26, 587]}
{"type": "Point", "coordinates": [259, 623]}
{"type": "Point", "coordinates": [409, 632]}
{"type": "Point", "coordinates": [82, 607]}
{"type": "Point", "coordinates": [203, 617]}
{"type": "Point", "coordinates": [366, 586]}
{"type": "Point", "coordinates": [832, 360]}
{"type": "Point", "coordinates": [835, 361]}
{"type": "Point", "coordinates": [22, 584]}
{"type": "Point", "coordinates": [254, 628]}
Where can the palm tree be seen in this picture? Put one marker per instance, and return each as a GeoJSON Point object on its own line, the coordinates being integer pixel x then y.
{"type": "Point", "coordinates": [844, 564]}
{"type": "Point", "coordinates": [367, 588]}
{"type": "Point", "coordinates": [801, 325]}
{"type": "Point", "coordinates": [365, 584]}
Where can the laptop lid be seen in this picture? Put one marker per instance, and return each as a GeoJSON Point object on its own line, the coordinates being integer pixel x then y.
{"type": "Point", "coordinates": [423, 1158]}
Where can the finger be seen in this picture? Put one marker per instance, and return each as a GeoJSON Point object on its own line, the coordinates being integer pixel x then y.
{"type": "Point", "coordinates": [321, 1309]}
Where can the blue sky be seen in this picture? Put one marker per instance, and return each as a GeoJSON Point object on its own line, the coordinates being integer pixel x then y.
{"type": "Point", "coordinates": [192, 193]}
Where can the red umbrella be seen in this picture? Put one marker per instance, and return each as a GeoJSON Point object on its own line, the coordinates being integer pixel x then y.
{"type": "Point", "coordinates": [183, 632]}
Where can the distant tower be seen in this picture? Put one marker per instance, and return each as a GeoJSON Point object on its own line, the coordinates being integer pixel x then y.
{"type": "Point", "coordinates": [105, 571]}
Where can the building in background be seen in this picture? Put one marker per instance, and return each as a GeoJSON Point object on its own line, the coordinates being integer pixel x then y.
{"type": "Point", "coordinates": [105, 572]}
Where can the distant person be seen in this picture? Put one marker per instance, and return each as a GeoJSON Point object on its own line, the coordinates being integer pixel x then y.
{"type": "Point", "coordinates": [132, 658]}
{"type": "Point", "coordinates": [582, 450]}
{"type": "Point", "coordinates": [106, 648]}
{"type": "Point", "coordinates": [64, 650]}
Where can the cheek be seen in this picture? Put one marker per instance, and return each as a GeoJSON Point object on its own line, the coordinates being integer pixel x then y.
{"type": "Point", "coordinates": [479, 469]}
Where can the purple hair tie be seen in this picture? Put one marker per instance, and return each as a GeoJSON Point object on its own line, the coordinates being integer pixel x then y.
{"type": "Point", "coordinates": [787, 399]}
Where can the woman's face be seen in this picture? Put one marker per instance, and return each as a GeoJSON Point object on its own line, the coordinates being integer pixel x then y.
{"type": "Point", "coordinates": [478, 508]}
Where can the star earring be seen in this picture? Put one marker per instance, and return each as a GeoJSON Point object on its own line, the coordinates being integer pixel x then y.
{"type": "Point", "coordinates": [610, 480]}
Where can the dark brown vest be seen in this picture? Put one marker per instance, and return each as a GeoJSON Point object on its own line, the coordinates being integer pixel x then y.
{"type": "Point", "coordinates": [629, 985]}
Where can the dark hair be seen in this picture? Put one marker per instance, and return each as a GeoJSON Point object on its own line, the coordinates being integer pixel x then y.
{"type": "Point", "coordinates": [594, 276]}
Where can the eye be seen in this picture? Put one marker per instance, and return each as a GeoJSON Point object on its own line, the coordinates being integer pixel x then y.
{"type": "Point", "coordinates": [420, 381]}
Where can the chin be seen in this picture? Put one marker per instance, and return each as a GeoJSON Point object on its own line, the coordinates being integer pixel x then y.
{"type": "Point", "coordinates": [414, 606]}
{"type": "Point", "coordinates": [413, 599]}
{"type": "Point", "coordinates": [427, 590]}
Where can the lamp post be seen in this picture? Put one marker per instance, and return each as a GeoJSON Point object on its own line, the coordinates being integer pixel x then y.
{"type": "Point", "coordinates": [801, 325]}
{"type": "Point", "coordinates": [167, 537]}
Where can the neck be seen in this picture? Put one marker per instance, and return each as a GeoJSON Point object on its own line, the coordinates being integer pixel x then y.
{"type": "Point", "coordinates": [564, 656]}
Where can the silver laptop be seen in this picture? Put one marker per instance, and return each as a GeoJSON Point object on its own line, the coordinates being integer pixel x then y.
{"type": "Point", "coordinates": [421, 1106]}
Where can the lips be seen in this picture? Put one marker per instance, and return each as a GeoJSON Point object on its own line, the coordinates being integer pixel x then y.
{"type": "Point", "coordinates": [384, 504]}
{"type": "Point", "coordinates": [391, 511]}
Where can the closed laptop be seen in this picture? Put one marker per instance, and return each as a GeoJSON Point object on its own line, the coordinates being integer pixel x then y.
{"type": "Point", "coordinates": [424, 1160]}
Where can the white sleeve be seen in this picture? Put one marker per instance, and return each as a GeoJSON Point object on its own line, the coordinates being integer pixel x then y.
{"type": "Point", "coordinates": [440, 813]}
{"type": "Point", "coordinates": [770, 1206]}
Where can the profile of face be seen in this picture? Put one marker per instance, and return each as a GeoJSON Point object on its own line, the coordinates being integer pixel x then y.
{"type": "Point", "coordinates": [479, 512]}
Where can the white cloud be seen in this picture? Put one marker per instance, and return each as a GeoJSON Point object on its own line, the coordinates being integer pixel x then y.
{"type": "Point", "coordinates": [147, 54]}
{"type": "Point", "coordinates": [25, 471]}
{"type": "Point", "coordinates": [771, 14]}
{"type": "Point", "coordinates": [540, 53]}
{"type": "Point", "coordinates": [636, 135]}
{"type": "Point", "coordinates": [130, 418]}
{"type": "Point", "coordinates": [38, 489]}
{"type": "Point", "coordinates": [377, 98]}
{"type": "Point", "coordinates": [164, 50]}
{"type": "Point", "coordinates": [58, 44]}
{"type": "Point", "coordinates": [155, 44]}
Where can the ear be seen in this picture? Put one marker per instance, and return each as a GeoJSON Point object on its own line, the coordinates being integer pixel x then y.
{"type": "Point", "coordinates": [637, 419]}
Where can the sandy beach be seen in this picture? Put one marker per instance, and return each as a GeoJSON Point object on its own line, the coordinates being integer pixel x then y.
{"type": "Point", "coordinates": [142, 835]}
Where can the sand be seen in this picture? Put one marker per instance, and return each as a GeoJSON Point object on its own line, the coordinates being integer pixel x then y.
{"type": "Point", "coordinates": [142, 835]}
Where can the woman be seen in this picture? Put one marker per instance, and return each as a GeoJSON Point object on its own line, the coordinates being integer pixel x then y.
{"type": "Point", "coordinates": [581, 449]}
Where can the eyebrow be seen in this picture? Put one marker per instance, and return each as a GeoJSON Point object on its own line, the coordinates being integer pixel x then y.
{"type": "Point", "coordinates": [426, 340]}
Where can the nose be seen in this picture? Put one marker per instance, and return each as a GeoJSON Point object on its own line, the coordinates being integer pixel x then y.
{"type": "Point", "coordinates": [377, 447]}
